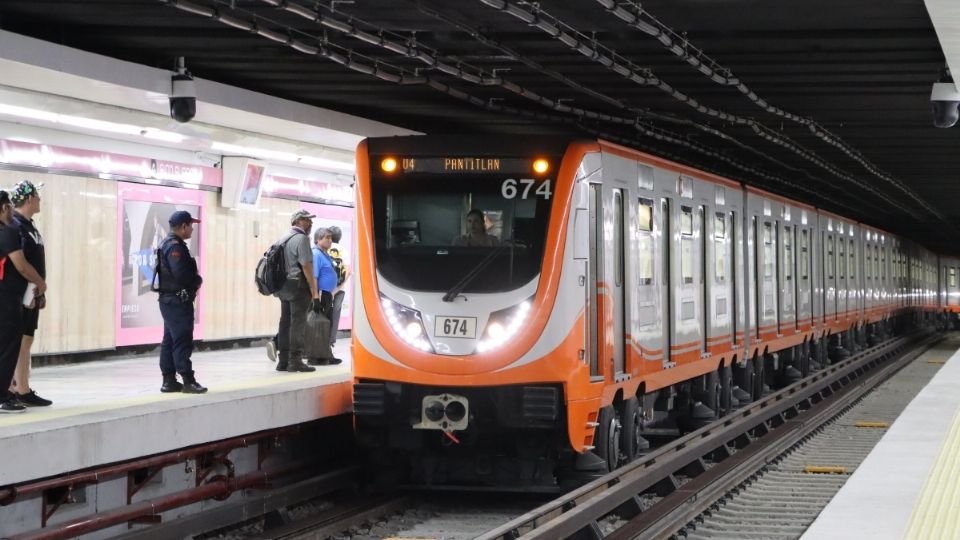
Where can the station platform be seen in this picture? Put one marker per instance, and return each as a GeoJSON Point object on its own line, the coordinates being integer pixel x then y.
{"type": "Point", "coordinates": [112, 410]}
{"type": "Point", "coordinates": [909, 486]}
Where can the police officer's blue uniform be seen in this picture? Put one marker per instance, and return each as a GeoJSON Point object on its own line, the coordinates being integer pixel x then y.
{"type": "Point", "coordinates": [178, 283]}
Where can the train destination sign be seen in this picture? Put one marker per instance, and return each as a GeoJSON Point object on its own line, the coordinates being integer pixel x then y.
{"type": "Point", "coordinates": [464, 165]}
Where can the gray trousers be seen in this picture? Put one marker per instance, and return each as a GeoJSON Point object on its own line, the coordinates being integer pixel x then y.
{"type": "Point", "coordinates": [335, 316]}
{"type": "Point", "coordinates": [293, 325]}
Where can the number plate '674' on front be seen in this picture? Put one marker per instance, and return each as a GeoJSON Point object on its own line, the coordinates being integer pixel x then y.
{"type": "Point", "coordinates": [456, 327]}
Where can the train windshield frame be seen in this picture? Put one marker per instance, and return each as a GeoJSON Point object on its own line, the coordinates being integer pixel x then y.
{"type": "Point", "coordinates": [426, 240]}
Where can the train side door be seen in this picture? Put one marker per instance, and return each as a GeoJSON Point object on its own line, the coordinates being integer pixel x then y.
{"type": "Point", "coordinates": [666, 278]}
{"type": "Point", "coordinates": [594, 278]}
{"type": "Point", "coordinates": [618, 289]}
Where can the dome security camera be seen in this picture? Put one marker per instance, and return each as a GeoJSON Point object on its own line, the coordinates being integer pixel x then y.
{"type": "Point", "coordinates": [945, 102]}
{"type": "Point", "coordinates": [183, 94]}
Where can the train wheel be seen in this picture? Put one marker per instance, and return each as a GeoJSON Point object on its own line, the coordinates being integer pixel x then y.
{"type": "Point", "coordinates": [632, 441]}
{"type": "Point", "coordinates": [727, 401]}
{"type": "Point", "coordinates": [607, 437]}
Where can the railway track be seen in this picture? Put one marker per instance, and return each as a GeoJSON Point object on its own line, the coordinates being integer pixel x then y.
{"type": "Point", "coordinates": [785, 498]}
{"type": "Point", "coordinates": [665, 490]}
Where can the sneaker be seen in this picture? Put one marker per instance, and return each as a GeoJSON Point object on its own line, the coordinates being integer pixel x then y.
{"type": "Point", "coordinates": [11, 405]}
{"type": "Point", "coordinates": [32, 399]}
{"type": "Point", "coordinates": [299, 367]}
{"type": "Point", "coordinates": [281, 366]}
{"type": "Point", "coordinates": [272, 350]}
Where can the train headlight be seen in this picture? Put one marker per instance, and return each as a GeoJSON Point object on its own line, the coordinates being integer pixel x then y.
{"type": "Point", "coordinates": [406, 323]}
{"type": "Point", "coordinates": [503, 325]}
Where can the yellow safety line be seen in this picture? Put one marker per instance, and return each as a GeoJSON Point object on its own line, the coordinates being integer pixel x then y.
{"type": "Point", "coordinates": [935, 512]}
{"type": "Point", "coordinates": [35, 414]}
{"type": "Point", "coordinates": [820, 469]}
{"type": "Point", "coordinates": [864, 423]}
{"type": "Point", "coordinates": [937, 361]}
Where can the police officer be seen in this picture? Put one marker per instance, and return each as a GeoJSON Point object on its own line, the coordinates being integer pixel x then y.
{"type": "Point", "coordinates": [178, 283]}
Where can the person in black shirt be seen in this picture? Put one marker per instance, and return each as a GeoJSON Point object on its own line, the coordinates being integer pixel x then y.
{"type": "Point", "coordinates": [178, 282]}
{"type": "Point", "coordinates": [26, 202]}
{"type": "Point", "coordinates": [15, 272]}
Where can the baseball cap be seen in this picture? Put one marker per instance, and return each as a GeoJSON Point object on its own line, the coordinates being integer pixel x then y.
{"type": "Point", "coordinates": [22, 191]}
{"type": "Point", "coordinates": [300, 214]}
{"type": "Point", "coordinates": [180, 217]}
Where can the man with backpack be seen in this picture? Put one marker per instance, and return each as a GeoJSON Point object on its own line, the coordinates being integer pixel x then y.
{"type": "Point", "coordinates": [298, 294]}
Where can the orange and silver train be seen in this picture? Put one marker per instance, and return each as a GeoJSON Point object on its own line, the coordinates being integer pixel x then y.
{"type": "Point", "coordinates": [529, 307]}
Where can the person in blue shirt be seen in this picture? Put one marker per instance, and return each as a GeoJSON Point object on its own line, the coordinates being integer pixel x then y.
{"type": "Point", "coordinates": [326, 275]}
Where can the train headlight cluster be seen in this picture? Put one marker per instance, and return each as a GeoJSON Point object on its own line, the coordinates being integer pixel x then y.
{"type": "Point", "coordinates": [406, 323]}
{"type": "Point", "coordinates": [503, 325]}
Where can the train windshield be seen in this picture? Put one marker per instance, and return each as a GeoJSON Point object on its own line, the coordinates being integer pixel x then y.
{"type": "Point", "coordinates": [479, 233]}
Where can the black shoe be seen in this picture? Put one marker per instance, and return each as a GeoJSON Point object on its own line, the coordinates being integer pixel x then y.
{"type": "Point", "coordinates": [193, 387]}
{"type": "Point", "coordinates": [281, 366]}
{"type": "Point", "coordinates": [171, 385]}
{"type": "Point", "coordinates": [11, 405]}
{"type": "Point", "coordinates": [299, 367]}
{"type": "Point", "coordinates": [332, 361]}
{"type": "Point", "coordinates": [32, 399]}
{"type": "Point", "coordinates": [317, 361]}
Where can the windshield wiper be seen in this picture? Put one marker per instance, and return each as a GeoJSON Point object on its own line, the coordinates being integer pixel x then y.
{"type": "Point", "coordinates": [471, 275]}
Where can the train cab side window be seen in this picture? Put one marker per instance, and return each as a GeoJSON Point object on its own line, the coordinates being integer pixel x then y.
{"type": "Point", "coordinates": [830, 261]}
{"type": "Point", "coordinates": [788, 253]}
{"type": "Point", "coordinates": [769, 264]}
{"type": "Point", "coordinates": [868, 267]}
{"type": "Point", "coordinates": [645, 215]}
{"type": "Point", "coordinates": [720, 246]}
{"type": "Point", "coordinates": [645, 241]}
{"type": "Point", "coordinates": [804, 255]}
{"type": "Point", "coordinates": [686, 244]}
{"type": "Point", "coordinates": [952, 280]}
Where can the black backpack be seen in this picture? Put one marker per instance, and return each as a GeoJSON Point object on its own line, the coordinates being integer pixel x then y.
{"type": "Point", "coordinates": [271, 271]}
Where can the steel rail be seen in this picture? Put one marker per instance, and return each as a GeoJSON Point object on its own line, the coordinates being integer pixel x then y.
{"type": "Point", "coordinates": [685, 504]}
{"type": "Point", "coordinates": [579, 510]}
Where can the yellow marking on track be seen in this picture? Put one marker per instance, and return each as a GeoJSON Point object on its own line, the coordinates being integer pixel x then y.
{"type": "Point", "coordinates": [936, 512]}
{"type": "Point", "coordinates": [937, 361]}
{"type": "Point", "coordinates": [35, 414]}
{"type": "Point", "coordinates": [864, 423]}
{"type": "Point", "coordinates": [824, 469]}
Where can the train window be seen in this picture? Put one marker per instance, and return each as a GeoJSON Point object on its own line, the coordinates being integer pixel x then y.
{"type": "Point", "coordinates": [787, 253]}
{"type": "Point", "coordinates": [686, 220]}
{"type": "Point", "coordinates": [876, 262]}
{"type": "Point", "coordinates": [645, 215]}
{"type": "Point", "coordinates": [868, 266]}
{"type": "Point", "coordinates": [952, 280]}
{"type": "Point", "coordinates": [720, 247]}
{"type": "Point", "coordinates": [804, 254]}
{"type": "Point", "coordinates": [883, 264]}
{"type": "Point", "coordinates": [422, 241]}
{"type": "Point", "coordinates": [769, 263]}
{"type": "Point", "coordinates": [830, 261]}
{"type": "Point", "coordinates": [853, 260]}
{"type": "Point", "coordinates": [841, 258]}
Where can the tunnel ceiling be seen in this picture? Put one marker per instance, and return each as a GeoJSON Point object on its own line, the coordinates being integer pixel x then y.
{"type": "Point", "coordinates": [825, 101]}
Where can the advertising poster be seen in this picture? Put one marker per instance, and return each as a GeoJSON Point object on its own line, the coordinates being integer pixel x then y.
{"type": "Point", "coordinates": [144, 212]}
{"type": "Point", "coordinates": [343, 217]}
